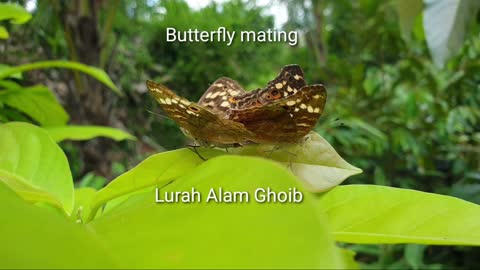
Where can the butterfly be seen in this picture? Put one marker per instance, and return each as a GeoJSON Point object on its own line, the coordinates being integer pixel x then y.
{"type": "Point", "coordinates": [226, 115]}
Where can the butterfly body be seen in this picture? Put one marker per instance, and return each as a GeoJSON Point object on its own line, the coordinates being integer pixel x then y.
{"type": "Point", "coordinates": [226, 115]}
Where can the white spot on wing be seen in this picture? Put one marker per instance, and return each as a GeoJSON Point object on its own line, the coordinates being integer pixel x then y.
{"type": "Point", "coordinates": [225, 104]}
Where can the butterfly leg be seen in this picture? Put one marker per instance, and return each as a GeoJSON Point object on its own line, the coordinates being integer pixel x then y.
{"type": "Point", "coordinates": [194, 149]}
{"type": "Point", "coordinates": [291, 158]}
{"type": "Point", "coordinates": [269, 152]}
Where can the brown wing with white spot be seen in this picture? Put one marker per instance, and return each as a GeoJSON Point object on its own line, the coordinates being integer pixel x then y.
{"type": "Point", "coordinates": [289, 81]}
{"type": "Point", "coordinates": [198, 122]}
{"type": "Point", "coordinates": [283, 120]}
{"type": "Point", "coordinates": [219, 96]}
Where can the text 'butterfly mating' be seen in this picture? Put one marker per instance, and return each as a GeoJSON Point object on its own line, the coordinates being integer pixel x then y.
{"type": "Point", "coordinates": [226, 115]}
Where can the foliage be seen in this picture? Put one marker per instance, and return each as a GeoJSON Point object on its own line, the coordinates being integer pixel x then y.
{"type": "Point", "coordinates": [184, 229]}
{"type": "Point", "coordinates": [403, 105]}
{"type": "Point", "coordinates": [13, 12]}
{"type": "Point", "coordinates": [92, 71]}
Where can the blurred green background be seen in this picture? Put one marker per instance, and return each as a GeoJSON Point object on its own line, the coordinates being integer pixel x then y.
{"type": "Point", "coordinates": [399, 106]}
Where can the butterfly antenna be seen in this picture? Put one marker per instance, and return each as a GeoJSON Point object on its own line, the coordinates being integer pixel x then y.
{"type": "Point", "coordinates": [161, 115]}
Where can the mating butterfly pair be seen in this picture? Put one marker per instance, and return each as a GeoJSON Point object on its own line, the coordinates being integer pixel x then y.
{"type": "Point", "coordinates": [282, 112]}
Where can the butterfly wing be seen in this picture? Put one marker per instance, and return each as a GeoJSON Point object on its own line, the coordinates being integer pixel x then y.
{"type": "Point", "coordinates": [289, 80]}
{"type": "Point", "coordinates": [198, 122]}
{"type": "Point", "coordinates": [283, 120]}
{"type": "Point", "coordinates": [218, 96]}
{"type": "Point", "coordinates": [287, 83]}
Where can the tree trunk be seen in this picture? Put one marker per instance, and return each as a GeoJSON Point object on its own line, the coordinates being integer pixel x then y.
{"type": "Point", "coordinates": [319, 46]}
{"type": "Point", "coordinates": [89, 102]}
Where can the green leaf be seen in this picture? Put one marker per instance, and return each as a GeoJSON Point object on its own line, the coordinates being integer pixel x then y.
{"type": "Point", "coordinates": [375, 214]}
{"type": "Point", "coordinates": [35, 237]}
{"type": "Point", "coordinates": [27, 191]}
{"type": "Point", "coordinates": [96, 73]}
{"type": "Point", "coordinates": [3, 33]}
{"type": "Point", "coordinates": [158, 169]}
{"type": "Point", "coordinates": [82, 201]}
{"type": "Point", "coordinates": [414, 255]}
{"type": "Point", "coordinates": [15, 76]}
{"type": "Point", "coordinates": [348, 258]}
{"type": "Point", "coordinates": [81, 133]}
{"type": "Point", "coordinates": [17, 14]}
{"type": "Point", "coordinates": [38, 102]}
{"type": "Point", "coordinates": [445, 23]}
{"type": "Point", "coordinates": [28, 152]}
{"type": "Point", "coordinates": [220, 235]}
{"type": "Point", "coordinates": [313, 161]}
{"type": "Point", "coordinates": [408, 11]}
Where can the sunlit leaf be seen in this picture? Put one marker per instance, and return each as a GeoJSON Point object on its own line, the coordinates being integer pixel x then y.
{"type": "Point", "coordinates": [35, 237]}
{"type": "Point", "coordinates": [37, 102]}
{"type": "Point", "coordinates": [15, 13]}
{"type": "Point", "coordinates": [95, 72]}
{"type": "Point", "coordinates": [28, 152]}
{"type": "Point", "coordinates": [26, 190]}
{"type": "Point", "coordinates": [156, 170]}
{"type": "Point", "coordinates": [82, 201]}
{"type": "Point", "coordinates": [15, 76]}
{"type": "Point", "coordinates": [220, 235]}
{"type": "Point", "coordinates": [375, 214]}
{"type": "Point", "coordinates": [81, 133]}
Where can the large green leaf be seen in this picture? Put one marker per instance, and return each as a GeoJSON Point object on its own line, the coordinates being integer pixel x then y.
{"type": "Point", "coordinates": [376, 214]}
{"type": "Point", "coordinates": [314, 161]}
{"type": "Point", "coordinates": [35, 237]}
{"type": "Point", "coordinates": [28, 152]}
{"type": "Point", "coordinates": [241, 235]}
{"type": "Point", "coordinates": [158, 169]}
{"type": "Point", "coordinates": [17, 14]}
{"type": "Point", "coordinates": [26, 190]}
{"type": "Point", "coordinates": [80, 133]}
{"type": "Point", "coordinates": [97, 73]}
{"type": "Point", "coordinates": [445, 23]}
{"type": "Point", "coordinates": [37, 102]}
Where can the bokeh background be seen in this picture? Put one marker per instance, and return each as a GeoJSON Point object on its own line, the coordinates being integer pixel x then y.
{"type": "Point", "coordinates": [400, 109]}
